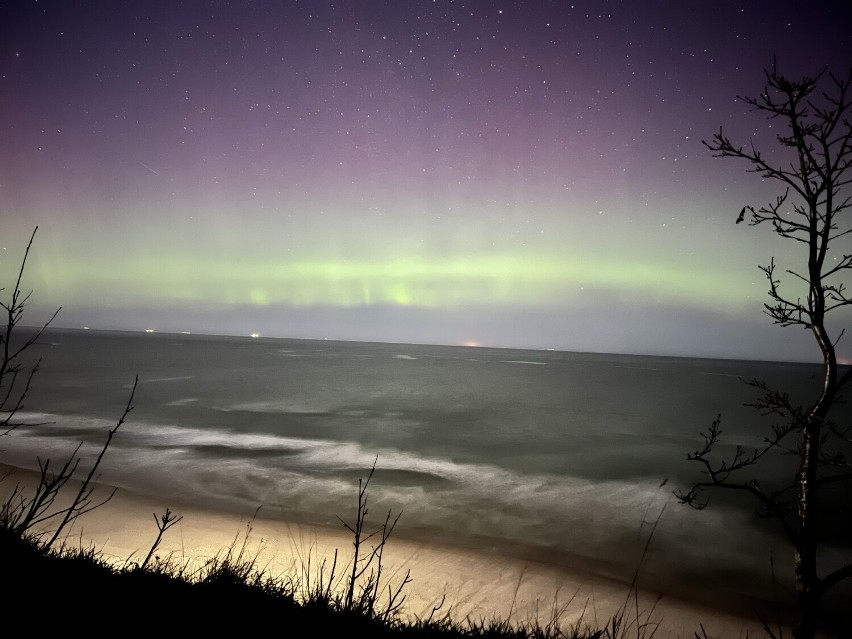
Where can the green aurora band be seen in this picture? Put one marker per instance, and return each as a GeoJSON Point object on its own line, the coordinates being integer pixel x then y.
{"type": "Point", "coordinates": [443, 282]}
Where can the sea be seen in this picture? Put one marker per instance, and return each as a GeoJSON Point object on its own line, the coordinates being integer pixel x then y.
{"type": "Point", "coordinates": [564, 458]}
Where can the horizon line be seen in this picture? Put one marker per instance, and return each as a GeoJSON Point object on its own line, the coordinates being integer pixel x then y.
{"type": "Point", "coordinates": [469, 345]}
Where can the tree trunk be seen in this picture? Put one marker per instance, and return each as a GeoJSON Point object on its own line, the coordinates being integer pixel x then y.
{"type": "Point", "coordinates": [806, 626]}
{"type": "Point", "coordinates": [808, 587]}
{"type": "Point", "coordinates": [807, 580]}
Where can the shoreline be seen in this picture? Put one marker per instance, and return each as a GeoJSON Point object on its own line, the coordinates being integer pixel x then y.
{"type": "Point", "coordinates": [474, 584]}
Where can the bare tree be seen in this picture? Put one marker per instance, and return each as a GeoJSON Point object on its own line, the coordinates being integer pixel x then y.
{"type": "Point", "coordinates": [15, 376]}
{"type": "Point", "coordinates": [367, 566]}
{"type": "Point", "coordinates": [816, 143]}
{"type": "Point", "coordinates": [26, 512]}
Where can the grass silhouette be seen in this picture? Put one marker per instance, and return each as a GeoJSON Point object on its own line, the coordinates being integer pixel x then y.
{"type": "Point", "coordinates": [71, 586]}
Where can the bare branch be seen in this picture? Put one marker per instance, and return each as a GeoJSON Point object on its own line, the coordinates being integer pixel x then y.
{"type": "Point", "coordinates": [834, 578]}
{"type": "Point", "coordinates": [81, 503]}
{"type": "Point", "coordinates": [13, 397]}
{"type": "Point", "coordinates": [816, 135]}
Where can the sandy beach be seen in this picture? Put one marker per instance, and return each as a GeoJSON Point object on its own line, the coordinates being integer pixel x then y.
{"type": "Point", "coordinates": [473, 584]}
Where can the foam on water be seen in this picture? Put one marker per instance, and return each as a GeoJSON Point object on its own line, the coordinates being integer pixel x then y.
{"type": "Point", "coordinates": [314, 480]}
{"type": "Point", "coordinates": [274, 406]}
{"type": "Point", "coordinates": [548, 455]}
{"type": "Point", "coordinates": [157, 380]}
{"type": "Point", "coordinates": [184, 401]}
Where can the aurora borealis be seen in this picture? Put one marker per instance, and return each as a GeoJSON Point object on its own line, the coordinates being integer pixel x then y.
{"type": "Point", "coordinates": [523, 174]}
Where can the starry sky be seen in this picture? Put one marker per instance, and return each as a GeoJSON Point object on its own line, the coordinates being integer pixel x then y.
{"type": "Point", "coordinates": [518, 174]}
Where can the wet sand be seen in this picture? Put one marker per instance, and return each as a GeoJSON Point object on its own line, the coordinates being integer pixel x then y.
{"type": "Point", "coordinates": [472, 584]}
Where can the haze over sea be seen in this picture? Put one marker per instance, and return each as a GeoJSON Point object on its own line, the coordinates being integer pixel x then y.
{"type": "Point", "coordinates": [566, 458]}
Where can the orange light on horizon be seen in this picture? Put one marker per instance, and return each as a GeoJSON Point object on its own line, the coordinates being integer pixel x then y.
{"type": "Point", "coordinates": [471, 343]}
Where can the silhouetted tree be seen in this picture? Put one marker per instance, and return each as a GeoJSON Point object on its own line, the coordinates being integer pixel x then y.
{"type": "Point", "coordinates": [26, 512]}
{"type": "Point", "coordinates": [15, 375]}
{"type": "Point", "coordinates": [816, 142]}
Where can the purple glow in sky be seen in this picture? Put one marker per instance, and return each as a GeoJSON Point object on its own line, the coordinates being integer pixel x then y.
{"type": "Point", "coordinates": [523, 174]}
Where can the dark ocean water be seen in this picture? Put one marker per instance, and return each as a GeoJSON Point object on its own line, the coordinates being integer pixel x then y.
{"type": "Point", "coordinates": [564, 457]}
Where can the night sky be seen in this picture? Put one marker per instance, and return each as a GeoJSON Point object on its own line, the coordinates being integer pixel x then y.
{"type": "Point", "coordinates": [525, 174]}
